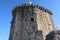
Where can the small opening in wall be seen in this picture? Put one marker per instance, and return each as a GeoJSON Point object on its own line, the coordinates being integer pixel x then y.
{"type": "Point", "coordinates": [32, 19]}
{"type": "Point", "coordinates": [49, 24]}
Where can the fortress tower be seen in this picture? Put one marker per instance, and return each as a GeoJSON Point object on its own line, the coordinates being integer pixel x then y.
{"type": "Point", "coordinates": [28, 21]}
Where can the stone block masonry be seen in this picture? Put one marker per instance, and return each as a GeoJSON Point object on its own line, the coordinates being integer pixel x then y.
{"type": "Point", "coordinates": [53, 35]}
{"type": "Point", "coordinates": [30, 22]}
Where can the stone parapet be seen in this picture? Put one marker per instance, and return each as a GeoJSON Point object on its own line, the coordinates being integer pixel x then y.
{"type": "Point", "coordinates": [32, 6]}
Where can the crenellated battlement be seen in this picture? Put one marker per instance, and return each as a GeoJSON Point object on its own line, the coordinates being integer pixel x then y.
{"type": "Point", "coordinates": [44, 9]}
{"type": "Point", "coordinates": [32, 6]}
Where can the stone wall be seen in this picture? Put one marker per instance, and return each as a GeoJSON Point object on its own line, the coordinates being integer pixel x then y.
{"type": "Point", "coordinates": [27, 21]}
{"type": "Point", "coordinates": [24, 25]}
{"type": "Point", "coordinates": [53, 35]}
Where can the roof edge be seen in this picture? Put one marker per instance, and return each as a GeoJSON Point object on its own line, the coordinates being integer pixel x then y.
{"type": "Point", "coordinates": [39, 7]}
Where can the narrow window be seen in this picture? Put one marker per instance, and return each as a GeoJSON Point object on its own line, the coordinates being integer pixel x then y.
{"type": "Point", "coordinates": [49, 24]}
{"type": "Point", "coordinates": [32, 19]}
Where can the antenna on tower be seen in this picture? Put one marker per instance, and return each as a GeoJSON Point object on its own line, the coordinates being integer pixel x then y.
{"type": "Point", "coordinates": [30, 2]}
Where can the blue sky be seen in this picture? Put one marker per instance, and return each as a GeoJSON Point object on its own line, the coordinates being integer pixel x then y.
{"type": "Point", "coordinates": [6, 7]}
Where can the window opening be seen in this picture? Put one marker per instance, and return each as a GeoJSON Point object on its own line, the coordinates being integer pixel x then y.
{"type": "Point", "coordinates": [32, 19]}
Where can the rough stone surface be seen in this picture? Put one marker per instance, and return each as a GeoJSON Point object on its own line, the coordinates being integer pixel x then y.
{"type": "Point", "coordinates": [53, 35]}
{"type": "Point", "coordinates": [28, 21]}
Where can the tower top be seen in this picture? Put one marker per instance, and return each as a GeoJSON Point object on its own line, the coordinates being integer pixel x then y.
{"type": "Point", "coordinates": [32, 6]}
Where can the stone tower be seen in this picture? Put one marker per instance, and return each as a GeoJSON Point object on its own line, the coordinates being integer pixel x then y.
{"type": "Point", "coordinates": [30, 22]}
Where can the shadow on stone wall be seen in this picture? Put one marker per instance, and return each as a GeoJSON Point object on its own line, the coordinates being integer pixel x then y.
{"type": "Point", "coordinates": [24, 24]}
{"type": "Point", "coordinates": [53, 35]}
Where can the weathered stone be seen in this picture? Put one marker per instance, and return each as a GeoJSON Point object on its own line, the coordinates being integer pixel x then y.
{"type": "Point", "coordinates": [53, 35]}
{"type": "Point", "coordinates": [27, 22]}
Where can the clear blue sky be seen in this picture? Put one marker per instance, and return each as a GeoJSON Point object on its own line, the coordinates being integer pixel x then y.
{"type": "Point", "coordinates": [6, 7]}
